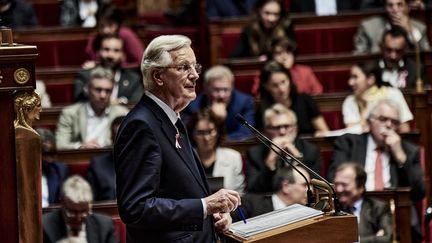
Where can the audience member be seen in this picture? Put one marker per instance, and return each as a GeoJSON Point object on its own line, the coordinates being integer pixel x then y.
{"type": "Point", "coordinates": [397, 69]}
{"type": "Point", "coordinates": [207, 133]}
{"type": "Point", "coordinates": [44, 96]}
{"type": "Point", "coordinates": [101, 173]}
{"type": "Point", "coordinates": [270, 21]}
{"type": "Point", "coordinates": [229, 8]}
{"type": "Point", "coordinates": [53, 172]}
{"type": "Point", "coordinates": [370, 32]}
{"type": "Point", "coordinates": [75, 218]}
{"type": "Point", "coordinates": [17, 14]}
{"type": "Point", "coordinates": [289, 188]}
{"type": "Point", "coordinates": [128, 87]}
{"type": "Point", "coordinates": [389, 161]}
{"type": "Point", "coordinates": [110, 21]}
{"type": "Point", "coordinates": [373, 216]}
{"type": "Point", "coordinates": [277, 87]}
{"type": "Point", "coordinates": [86, 124]}
{"type": "Point", "coordinates": [368, 88]}
{"type": "Point", "coordinates": [320, 7]}
{"type": "Point", "coordinates": [225, 102]}
{"type": "Point", "coordinates": [280, 125]}
{"type": "Point", "coordinates": [283, 52]}
{"type": "Point", "coordinates": [79, 13]}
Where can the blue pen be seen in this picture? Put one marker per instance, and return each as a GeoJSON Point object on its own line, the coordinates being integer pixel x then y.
{"type": "Point", "coordinates": [239, 210]}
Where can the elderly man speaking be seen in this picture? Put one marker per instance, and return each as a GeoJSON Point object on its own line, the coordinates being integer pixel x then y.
{"type": "Point", "coordinates": [162, 192]}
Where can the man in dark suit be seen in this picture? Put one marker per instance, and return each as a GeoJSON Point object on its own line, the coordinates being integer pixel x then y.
{"type": "Point", "coordinates": [53, 172]}
{"type": "Point", "coordinates": [101, 172]}
{"type": "Point", "coordinates": [289, 187]}
{"type": "Point", "coordinates": [74, 218]}
{"type": "Point", "coordinates": [225, 101]}
{"type": "Point", "coordinates": [162, 191]}
{"type": "Point", "coordinates": [373, 216]}
{"type": "Point", "coordinates": [280, 125]}
{"type": "Point", "coordinates": [397, 69]}
{"type": "Point", "coordinates": [382, 149]}
{"type": "Point", "coordinates": [127, 84]}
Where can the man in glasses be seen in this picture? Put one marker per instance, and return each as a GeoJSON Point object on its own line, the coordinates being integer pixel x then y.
{"type": "Point", "coordinates": [162, 191]}
{"type": "Point", "coordinates": [397, 69]}
{"type": "Point", "coordinates": [280, 125]}
{"type": "Point", "coordinates": [75, 218]}
{"type": "Point", "coordinates": [225, 101]}
{"type": "Point", "coordinates": [389, 161]}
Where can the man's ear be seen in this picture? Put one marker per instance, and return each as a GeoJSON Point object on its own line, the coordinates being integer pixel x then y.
{"type": "Point", "coordinates": [156, 75]}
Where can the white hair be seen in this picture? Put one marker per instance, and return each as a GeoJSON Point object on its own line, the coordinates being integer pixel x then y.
{"type": "Point", "coordinates": [218, 72]}
{"type": "Point", "coordinates": [76, 189]}
{"type": "Point", "coordinates": [278, 109]}
{"type": "Point", "coordinates": [157, 54]}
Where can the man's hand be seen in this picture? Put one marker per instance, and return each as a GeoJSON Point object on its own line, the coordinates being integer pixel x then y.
{"type": "Point", "coordinates": [223, 201]}
{"type": "Point", "coordinates": [222, 222]}
{"type": "Point", "coordinates": [401, 20]}
{"type": "Point", "coordinates": [393, 142]}
{"type": "Point", "coordinates": [90, 145]}
{"type": "Point", "coordinates": [219, 109]}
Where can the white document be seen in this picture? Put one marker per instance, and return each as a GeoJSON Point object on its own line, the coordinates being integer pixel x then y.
{"type": "Point", "coordinates": [272, 220]}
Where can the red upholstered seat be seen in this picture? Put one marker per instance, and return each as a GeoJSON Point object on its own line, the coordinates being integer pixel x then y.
{"type": "Point", "coordinates": [332, 39]}
{"type": "Point", "coordinates": [335, 80]}
{"type": "Point", "coordinates": [326, 156]}
{"type": "Point", "coordinates": [79, 168]}
{"type": "Point", "coordinates": [120, 228]}
{"type": "Point", "coordinates": [60, 93]}
{"type": "Point", "coordinates": [59, 52]}
{"type": "Point", "coordinates": [333, 119]}
{"type": "Point", "coordinates": [47, 13]}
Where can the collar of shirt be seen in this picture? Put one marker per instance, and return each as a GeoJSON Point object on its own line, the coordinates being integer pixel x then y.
{"type": "Point", "coordinates": [369, 165]}
{"type": "Point", "coordinates": [277, 202]}
{"type": "Point", "coordinates": [172, 115]}
{"type": "Point", "coordinates": [357, 208]}
{"type": "Point", "coordinates": [91, 113]}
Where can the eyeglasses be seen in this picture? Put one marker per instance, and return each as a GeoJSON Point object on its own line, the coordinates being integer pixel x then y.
{"type": "Point", "coordinates": [186, 68]}
{"type": "Point", "coordinates": [73, 213]}
{"type": "Point", "coordinates": [204, 133]}
{"type": "Point", "coordinates": [384, 119]}
{"type": "Point", "coordinates": [279, 127]}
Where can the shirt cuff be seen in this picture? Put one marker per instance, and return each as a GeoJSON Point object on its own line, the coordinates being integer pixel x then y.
{"type": "Point", "coordinates": [204, 208]}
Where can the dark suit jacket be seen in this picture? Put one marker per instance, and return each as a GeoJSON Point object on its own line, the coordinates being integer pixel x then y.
{"type": "Point", "coordinates": [99, 228]}
{"type": "Point", "coordinates": [304, 6]}
{"type": "Point", "coordinates": [101, 176]}
{"type": "Point", "coordinates": [259, 178]}
{"type": "Point", "coordinates": [130, 85]}
{"type": "Point", "coordinates": [159, 187]}
{"type": "Point", "coordinates": [240, 103]}
{"type": "Point", "coordinates": [55, 174]}
{"type": "Point", "coordinates": [254, 205]}
{"type": "Point", "coordinates": [375, 215]}
{"type": "Point", "coordinates": [352, 147]}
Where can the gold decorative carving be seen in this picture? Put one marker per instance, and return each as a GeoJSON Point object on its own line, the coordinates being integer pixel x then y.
{"type": "Point", "coordinates": [27, 109]}
{"type": "Point", "coordinates": [21, 75]}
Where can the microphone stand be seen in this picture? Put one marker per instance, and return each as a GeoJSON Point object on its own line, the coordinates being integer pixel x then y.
{"type": "Point", "coordinates": [268, 143]}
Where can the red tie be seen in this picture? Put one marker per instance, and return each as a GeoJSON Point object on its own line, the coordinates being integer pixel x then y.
{"type": "Point", "coordinates": [379, 182]}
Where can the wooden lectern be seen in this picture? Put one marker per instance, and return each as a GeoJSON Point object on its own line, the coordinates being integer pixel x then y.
{"type": "Point", "coordinates": [320, 229]}
{"type": "Point", "coordinates": [17, 72]}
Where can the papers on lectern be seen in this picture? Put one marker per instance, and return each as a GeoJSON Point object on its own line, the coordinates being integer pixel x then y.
{"type": "Point", "coordinates": [274, 219]}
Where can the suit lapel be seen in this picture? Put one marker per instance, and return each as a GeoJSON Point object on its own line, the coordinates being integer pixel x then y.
{"type": "Point", "coordinates": [91, 230]}
{"type": "Point", "coordinates": [363, 149]}
{"type": "Point", "coordinates": [170, 131]}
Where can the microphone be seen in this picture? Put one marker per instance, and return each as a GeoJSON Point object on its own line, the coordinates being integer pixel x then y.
{"type": "Point", "coordinates": [266, 141]}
